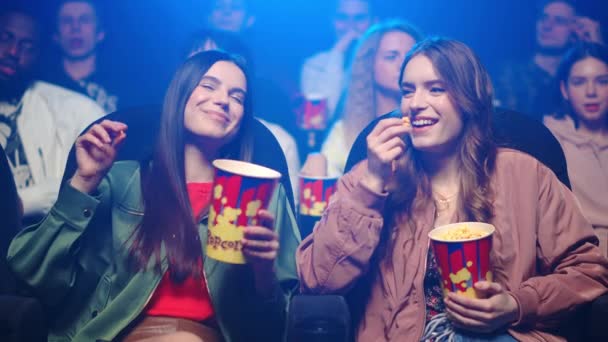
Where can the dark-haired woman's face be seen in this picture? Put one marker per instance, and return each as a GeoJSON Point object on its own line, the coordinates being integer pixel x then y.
{"type": "Point", "coordinates": [215, 108]}
{"type": "Point", "coordinates": [587, 90]}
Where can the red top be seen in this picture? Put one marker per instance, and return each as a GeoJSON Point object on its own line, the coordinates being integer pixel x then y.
{"type": "Point", "coordinates": [189, 299]}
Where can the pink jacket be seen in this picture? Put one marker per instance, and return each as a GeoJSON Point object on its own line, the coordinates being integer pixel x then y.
{"type": "Point", "coordinates": [544, 253]}
{"type": "Point", "coordinates": [587, 168]}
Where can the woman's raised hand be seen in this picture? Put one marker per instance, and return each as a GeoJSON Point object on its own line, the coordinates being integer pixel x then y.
{"type": "Point", "coordinates": [95, 153]}
{"type": "Point", "coordinates": [385, 145]}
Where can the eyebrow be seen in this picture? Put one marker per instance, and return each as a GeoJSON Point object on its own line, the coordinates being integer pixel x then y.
{"type": "Point", "coordinates": [216, 80]}
{"type": "Point", "coordinates": [426, 84]}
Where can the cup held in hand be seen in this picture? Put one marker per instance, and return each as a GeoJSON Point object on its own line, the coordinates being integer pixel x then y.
{"type": "Point", "coordinates": [462, 251]}
{"type": "Point", "coordinates": [313, 113]}
{"type": "Point", "coordinates": [315, 193]}
{"type": "Point", "coordinates": [240, 190]}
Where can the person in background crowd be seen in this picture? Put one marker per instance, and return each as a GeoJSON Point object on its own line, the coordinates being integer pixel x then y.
{"type": "Point", "coordinates": [233, 16]}
{"type": "Point", "coordinates": [582, 129]}
{"type": "Point", "coordinates": [209, 40]}
{"type": "Point", "coordinates": [127, 240]}
{"type": "Point", "coordinates": [529, 87]}
{"type": "Point", "coordinates": [323, 73]}
{"type": "Point", "coordinates": [372, 89]}
{"type": "Point", "coordinates": [79, 33]}
{"type": "Point", "coordinates": [372, 243]}
{"type": "Point", "coordinates": [39, 121]}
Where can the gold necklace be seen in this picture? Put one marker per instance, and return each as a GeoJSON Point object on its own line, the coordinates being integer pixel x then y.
{"type": "Point", "coordinates": [442, 203]}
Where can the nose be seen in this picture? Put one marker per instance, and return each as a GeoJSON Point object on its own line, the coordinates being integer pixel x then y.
{"type": "Point", "coordinates": [74, 26]}
{"type": "Point", "coordinates": [220, 98]}
{"type": "Point", "coordinates": [590, 89]}
{"type": "Point", "coordinates": [417, 102]}
{"type": "Point", "coordinates": [13, 50]}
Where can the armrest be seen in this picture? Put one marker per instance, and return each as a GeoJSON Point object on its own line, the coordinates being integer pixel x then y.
{"type": "Point", "coordinates": [318, 318]}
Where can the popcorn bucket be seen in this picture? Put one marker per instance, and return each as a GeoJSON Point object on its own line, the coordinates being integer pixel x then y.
{"type": "Point", "coordinates": [240, 190]}
{"type": "Point", "coordinates": [462, 251]}
{"type": "Point", "coordinates": [313, 113]}
{"type": "Point", "coordinates": [315, 193]}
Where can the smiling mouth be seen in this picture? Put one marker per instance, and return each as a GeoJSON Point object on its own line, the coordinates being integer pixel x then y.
{"type": "Point", "coordinates": [423, 122]}
{"type": "Point", "coordinates": [218, 116]}
{"type": "Point", "coordinates": [592, 107]}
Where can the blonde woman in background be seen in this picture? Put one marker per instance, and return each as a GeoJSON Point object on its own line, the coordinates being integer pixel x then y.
{"type": "Point", "coordinates": [372, 90]}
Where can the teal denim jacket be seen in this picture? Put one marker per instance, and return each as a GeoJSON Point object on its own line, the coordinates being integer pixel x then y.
{"type": "Point", "coordinates": [75, 260]}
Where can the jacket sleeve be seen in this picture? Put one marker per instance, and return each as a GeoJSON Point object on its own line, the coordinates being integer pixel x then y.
{"type": "Point", "coordinates": [572, 270]}
{"type": "Point", "coordinates": [65, 248]}
{"type": "Point", "coordinates": [338, 252]}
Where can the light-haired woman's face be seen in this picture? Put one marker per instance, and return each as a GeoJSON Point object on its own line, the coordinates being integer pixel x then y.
{"type": "Point", "coordinates": [215, 108]}
{"type": "Point", "coordinates": [587, 90]}
{"type": "Point", "coordinates": [391, 53]}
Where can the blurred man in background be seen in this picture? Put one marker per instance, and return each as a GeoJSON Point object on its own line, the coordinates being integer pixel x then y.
{"type": "Point", "coordinates": [529, 87]}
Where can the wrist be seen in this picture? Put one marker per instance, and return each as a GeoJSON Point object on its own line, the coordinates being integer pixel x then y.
{"type": "Point", "coordinates": [376, 184]}
{"type": "Point", "coordinates": [514, 312]}
{"type": "Point", "coordinates": [85, 184]}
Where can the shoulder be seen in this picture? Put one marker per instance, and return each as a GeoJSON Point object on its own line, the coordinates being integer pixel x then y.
{"type": "Point", "coordinates": [559, 126]}
{"type": "Point", "coordinates": [317, 58]}
{"type": "Point", "coordinates": [64, 100]}
{"type": "Point", "coordinates": [511, 157]}
{"type": "Point", "coordinates": [520, 169]}
{"type": "Point", "coordinates": [45, 89]}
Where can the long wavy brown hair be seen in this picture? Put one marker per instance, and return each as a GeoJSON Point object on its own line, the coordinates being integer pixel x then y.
{"type": "Point", "coordinates": [469, 88]}
{"type": "Point", "coordinates": [168, 221]}
{"type": "Point", "coordinates": [358, 106]}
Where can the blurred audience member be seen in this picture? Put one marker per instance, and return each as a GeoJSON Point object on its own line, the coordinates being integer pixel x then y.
{"type": "Point", "coordinates": [323, 74]}
{"type": "Point", "coordinates": [233, 16]}
{"type": "Point", "coordinates": [529, 87]}
{"type": "Point", "coordinates": [582, 130]}
{"type": "Point", "coordinates": [39, 122]}
{"type": "Point", "coordinates": [78, 33]}
{"type": "Point", "coordinates": [373, 87]}
{"type": "Point", "coordinates": [209, 40]}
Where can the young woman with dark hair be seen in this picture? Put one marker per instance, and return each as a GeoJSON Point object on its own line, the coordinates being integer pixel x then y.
{"type": "Point", "coordinates": [582, 129]}
{"type": "Point", "coordinates": [122, 253]}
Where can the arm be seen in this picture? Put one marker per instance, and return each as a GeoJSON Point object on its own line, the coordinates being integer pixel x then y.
{"type": "Point", "coordinates": [51, 256]}
{"type": "Point", "coordinates": [572, 267]}
{"type": "Point", "coordinates": [339, 250]}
